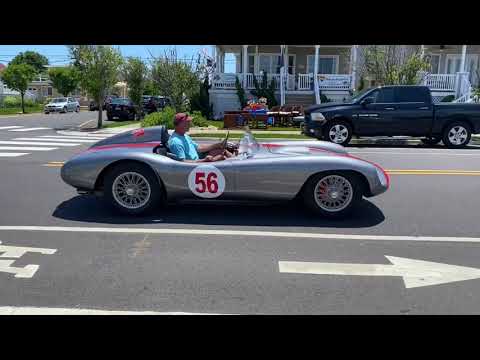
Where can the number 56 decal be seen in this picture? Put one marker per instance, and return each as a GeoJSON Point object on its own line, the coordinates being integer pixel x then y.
{"type": "Point", "coordinates": [206, 181]}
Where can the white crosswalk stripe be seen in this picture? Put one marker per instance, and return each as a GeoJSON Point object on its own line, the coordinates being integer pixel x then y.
{"type": "Point", "coordinates": [8, 142]}
{"type": "Point", "coordinates": [10, 127]}
{"type": "Point", "coordinates": [73, 137]}
{"type": "Point", "coordinates": [31, 129]}
{"type": "Point", "coordinates": [62, 140]}
{"type": "Point", "coordinates": [27, 148]}
{"type": "Point", "coordinates": [12, 154]}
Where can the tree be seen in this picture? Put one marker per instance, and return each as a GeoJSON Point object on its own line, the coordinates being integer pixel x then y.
{"type": "Point", "coordinates": [135, 75]}
{"type": "Point", "coordinates": [393, 64]}
{"type": "Point", "coordinates": [201, 99]}
{"type": "Point", "coordinates": [65, 79]}
{"type": "Point", "coordinates": [265, 90]}
{"type": "Point", "coordinates": [17, 77]}
{"type": "Point", "coordinates": [175, 79]}
{"type": "Point", "coordinates": [99, 67]}
{"type": "Point", "coordinates": [32, 58]}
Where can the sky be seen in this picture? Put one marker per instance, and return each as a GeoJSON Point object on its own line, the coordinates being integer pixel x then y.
{"type": "Point", "coordinates": [59, 55]}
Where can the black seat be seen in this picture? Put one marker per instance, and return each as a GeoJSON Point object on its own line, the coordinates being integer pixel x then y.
{"type": "Point", "coordinates": [164, 136]}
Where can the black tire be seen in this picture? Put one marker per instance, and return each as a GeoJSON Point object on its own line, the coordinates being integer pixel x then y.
{"type": "Point", "coordinates": [46, 113]}
{"type": "Point", "coordinates": [431, 140]}
{"type": "Point", "coordinates": [77, 109]}
{"type": "Point", "coordinates": [65, 110]}
{"type": "Point", "coordinates": [109, 118]}
{"type": "Point", "coordinates": [460, 125]}
{"type": "Point", "coordinates": [356, 191]}
{"type": "Point", "coordinates": [344, 126]}
{"type": "Point", "coordinates": [155, 199]}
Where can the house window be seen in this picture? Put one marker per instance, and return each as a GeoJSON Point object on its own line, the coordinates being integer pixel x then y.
{"type": "Point", "coordinates": [291, 64]}
{"type": "Point", "coordinates": [269, 63]}
{"type": "Point", "coordinates": [327, 64]}
{"type": "Point", "coordinates": [50, 91]}
{"type": "Point", "coordinates": [251, 64]}
{"type": "Point", "coordinates": [435, 63]}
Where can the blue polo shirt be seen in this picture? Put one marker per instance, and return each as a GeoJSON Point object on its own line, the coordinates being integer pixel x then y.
{"type": "Point", "coordinates": [183, 147]}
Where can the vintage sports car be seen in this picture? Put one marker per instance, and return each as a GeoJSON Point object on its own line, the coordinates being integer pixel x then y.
{"type": "Point", "coordinates": [135, 173]}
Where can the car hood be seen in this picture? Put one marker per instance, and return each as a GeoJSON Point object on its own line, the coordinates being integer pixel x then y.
{"type": "Point", "coordinates": [300, 146]}
{"type": "Point", "coordinates": [327, 106]}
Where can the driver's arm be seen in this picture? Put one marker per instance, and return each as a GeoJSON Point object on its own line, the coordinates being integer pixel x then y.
{"type": "Point", "coordinates": [203, 148]}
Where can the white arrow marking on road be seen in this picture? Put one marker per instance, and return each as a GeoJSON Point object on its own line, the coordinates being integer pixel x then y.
{"type": "Point", "coordinates": [415, 273]}
{"type": "Point", "coordinates": [25, 272]}
{"type": "Point", "coordinates": [19, 251]}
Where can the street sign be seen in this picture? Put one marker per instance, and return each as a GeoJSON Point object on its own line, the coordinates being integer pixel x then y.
{"type": "Point", "coordinates": [415, 273]}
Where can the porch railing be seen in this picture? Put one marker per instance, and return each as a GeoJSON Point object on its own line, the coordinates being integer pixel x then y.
{"type": "Point", "coordinates": [440, 82]}
{"type": "Point", "coordinates": [300, 82]}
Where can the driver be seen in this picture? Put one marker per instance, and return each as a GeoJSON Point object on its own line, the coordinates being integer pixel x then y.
{"type": "Point", "coordinates": [185, 149]}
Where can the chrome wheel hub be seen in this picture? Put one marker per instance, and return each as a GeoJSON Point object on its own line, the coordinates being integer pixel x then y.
{"type": "Point", "coordinates": [457, 135]}
{"type": "Point", "coordinates": [131, 190]}
{"type": "Point", "coordinates": [333, 193]}
{"type": "Point", "coordinates": [338, 133]}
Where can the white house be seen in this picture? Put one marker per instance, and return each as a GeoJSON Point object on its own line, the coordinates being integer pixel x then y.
{"type": "Point", "coordinates": [336, 69]}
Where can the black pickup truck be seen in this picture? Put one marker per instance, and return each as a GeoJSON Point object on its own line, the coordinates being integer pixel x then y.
{"type": "Point", "coordinates": [394, 111]}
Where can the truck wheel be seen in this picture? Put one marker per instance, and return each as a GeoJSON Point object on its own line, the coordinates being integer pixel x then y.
{"type": "Point", "coordinates": [132, 189]}
{"type": "Point", "coordinates": [431, 140]}
{"type": "Point", "coordinates": [333, 194]}
{"type": "Point", "coordinates": [338, 132]}
{"type": "Point", "coordinates": [457, 135]}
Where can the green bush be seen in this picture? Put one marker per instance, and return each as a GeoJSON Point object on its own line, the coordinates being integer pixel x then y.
{"type": "Point", "coordinates": [16, 102]}
{"type": "Point", "coordinates": [164, 117]}
{"type": "Point", "coordinates": [448, 98]}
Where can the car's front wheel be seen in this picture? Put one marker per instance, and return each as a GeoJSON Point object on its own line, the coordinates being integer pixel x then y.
{"type": "Point", "coordinates": [457, 135]}
{"type": "Point", "coordinates": [338, 132]}
{"type": "Point", "coordinates": [132, 189]}
{"type": "Point", "coordinates": [333, 194]}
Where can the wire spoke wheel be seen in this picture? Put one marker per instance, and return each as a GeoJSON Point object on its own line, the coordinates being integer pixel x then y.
{"type": "Point", "coordinates": [333, 193]}
{"type": "Point", "coordinates": [131, 190]}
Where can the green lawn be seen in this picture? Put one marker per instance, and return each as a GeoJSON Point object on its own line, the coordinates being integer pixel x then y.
{"type": "Point", "coordinates": [120, 123]}
{"type": "Point", "coordinates": [15, 111]}
{"type": "Point", "coordinates": [257, 136]}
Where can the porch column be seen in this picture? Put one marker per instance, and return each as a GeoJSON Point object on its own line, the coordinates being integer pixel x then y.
{"type": "Point", "coordinates": [422, 51]}
{"type": "Point", "coordinates": [245, 65]}
{"type": "Point", "coordinates": [464, 55]}
{"type": "Point", "coordinates": [315, 77]}
{"type": "Point", "coordinates": [354, 66]}
{"type": "Point", "coordinates": [285, 65]}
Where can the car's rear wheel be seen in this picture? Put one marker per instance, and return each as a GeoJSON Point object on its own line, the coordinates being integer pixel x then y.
{"type": "Point", "coordinates": [457, 135]}
{"type": "Point", "coordinates": [132, 189]}
{"type": "Point", "coordinates": [333, 194]}
{"type": "Point", "coordinates": [65, 110]}
{"type": "Point", "coordinates": [338, 132]}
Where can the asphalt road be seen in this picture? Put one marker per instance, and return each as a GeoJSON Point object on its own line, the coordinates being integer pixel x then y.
{"type": "Point", "coordinates": [157, 263]}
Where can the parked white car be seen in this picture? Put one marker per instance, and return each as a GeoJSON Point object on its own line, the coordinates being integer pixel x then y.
{"type": "Point", "coordinates": [63, 105]}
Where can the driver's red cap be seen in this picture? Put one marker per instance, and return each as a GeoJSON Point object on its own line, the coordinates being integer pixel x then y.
{"type": "Point", "coordinates": [181, 117]}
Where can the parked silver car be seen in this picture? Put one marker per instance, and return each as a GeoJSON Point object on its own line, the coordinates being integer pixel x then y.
{"type": "Point", "coordinates": [135, 172]}
{"type": "Point", "coordinates": [63, 105]}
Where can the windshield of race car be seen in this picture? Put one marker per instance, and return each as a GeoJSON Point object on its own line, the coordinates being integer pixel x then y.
{"type": "Point", "coordinates": [248, 146]}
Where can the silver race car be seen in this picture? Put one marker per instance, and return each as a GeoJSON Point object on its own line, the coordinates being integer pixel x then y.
{"type": "Point", "coordinates": [135, 172]}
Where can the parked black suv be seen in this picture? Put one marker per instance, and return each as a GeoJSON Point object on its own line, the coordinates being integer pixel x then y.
{"type": "Point", "coordinates": [122, 109]}
{"type": "Point", "coordinates": [154, 103]}
{"type": "Point", "coordinates": [394, 111]}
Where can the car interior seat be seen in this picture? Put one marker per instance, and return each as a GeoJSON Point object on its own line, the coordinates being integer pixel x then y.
{"type": "Point", "coordinates": [163, 148]}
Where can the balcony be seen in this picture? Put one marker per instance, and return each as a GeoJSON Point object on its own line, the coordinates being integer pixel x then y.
{"type": "Point", "coordinates": [298, 82]}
